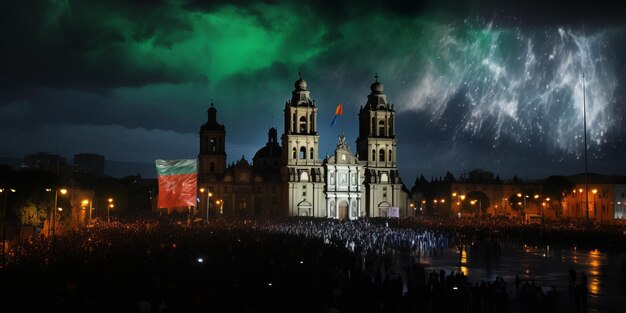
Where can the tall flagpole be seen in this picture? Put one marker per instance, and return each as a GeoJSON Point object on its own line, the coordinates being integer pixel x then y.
{"type": "Point", "coordinates": [585, 130]}
{"type": "Point", "coordinates": [341, 118]}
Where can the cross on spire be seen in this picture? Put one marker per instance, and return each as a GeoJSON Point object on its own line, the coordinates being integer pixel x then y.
{"type": "Point", "coordinates": [376, 77]}
{"type": "Point", "coordinates": [211, 102]}
{"type": "Point", "coordinates": [300, 73]}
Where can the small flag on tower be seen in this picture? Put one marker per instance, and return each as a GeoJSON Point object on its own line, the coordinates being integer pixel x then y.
{"type": "Point", "coordinates": [338, 113]}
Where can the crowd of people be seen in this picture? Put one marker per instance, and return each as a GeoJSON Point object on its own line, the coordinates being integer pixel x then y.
{"type": "Point", "coordinates": [278, 265]}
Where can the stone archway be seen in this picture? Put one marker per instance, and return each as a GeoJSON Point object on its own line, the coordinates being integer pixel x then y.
{"type": "Point", "coordinates": [382, 208]}
{"type": "Point", "coordinates": [342, 210]}
{"type": "Point", "coordinates": [305, 208]}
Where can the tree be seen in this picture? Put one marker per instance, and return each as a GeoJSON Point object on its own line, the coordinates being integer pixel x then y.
{"type": "Point", "coordinates": [516, 203]}
{"type": "Point", "coordinates": [556, 188]}
{"type": "Point", "coordinates": [476, 202]}
{"type": "Point", "coordinates": [30, 215]}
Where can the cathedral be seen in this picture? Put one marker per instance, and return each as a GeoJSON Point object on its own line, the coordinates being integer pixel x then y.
{"type": "Point", "coordinates": [289, 178]}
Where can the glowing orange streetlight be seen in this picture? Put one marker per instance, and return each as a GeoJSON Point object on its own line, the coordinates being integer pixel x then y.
{"type": "Point", "coordinates": [595, 191]}
{"type": "Point", "coordinates": [109, 207]}
{"type": "Point", "coordinates": [221, 204]}
{"type": "Point", "coordinates": [63, 191]}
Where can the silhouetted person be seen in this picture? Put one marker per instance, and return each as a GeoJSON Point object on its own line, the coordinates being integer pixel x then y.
{"type": "Point", "coordinates": [572, 278]}
{"type": "Point", "coordinates": [584, 291]}
{"type": "Point", "coordinates": [584, 278]}
{"type": "Point", "coordinates": [577, 301]}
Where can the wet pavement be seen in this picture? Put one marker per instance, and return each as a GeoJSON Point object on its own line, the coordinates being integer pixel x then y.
{"type": "Point", "coordinates": [546, 266]}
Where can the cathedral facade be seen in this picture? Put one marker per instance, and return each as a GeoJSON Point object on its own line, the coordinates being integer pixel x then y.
{"type": "Point", "coordinates": [289, 179]}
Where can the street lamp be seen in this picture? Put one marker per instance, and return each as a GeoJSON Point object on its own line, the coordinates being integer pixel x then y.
{"type": "Point", "coordinates": [454, 194]}
{"type": "Point", "coordinates": [595, 209]}
{"type": "Point", "coordinates": [519, 195]}
{"type": "Point", "coordinates": [208, 201]}
{"type": "Point", "coordinates": [480, 205]}
{"type": "Point", "coordinates": [109, 207]}
{"type": "Point", "coordinates": [84, 206]}
{"type": "Point", "coordinates": [221, 204]}
{"type": "Point", "coordinates": [208, 204]}
{"type": "Point", "coordinates": [581, 202]}
{"type": "Point", "coordinates": [4, 224]}
{"type": "Point", "coordinates": [63, 191]}
{"type": "Point", "coordinates": [543, 211]}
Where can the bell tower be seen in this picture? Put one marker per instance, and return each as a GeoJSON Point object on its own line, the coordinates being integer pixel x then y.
{"type": "Point", "coordinates": [302, 170]}
{"type": "Point", "coordinates": [376, 147]}
{"type": "Point", "coordinates": [300, 140]}
{"type": "Point", "coordinates": [377, 137]}
{"type": "Point", "coordinates": [212, 157]}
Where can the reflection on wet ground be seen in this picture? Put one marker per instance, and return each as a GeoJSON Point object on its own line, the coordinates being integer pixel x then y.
{"type": "Point", "coordinates": [547, 266]}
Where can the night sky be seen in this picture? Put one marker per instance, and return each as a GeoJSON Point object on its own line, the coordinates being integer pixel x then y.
{"type": "Point", "coordinates": [495, 85]}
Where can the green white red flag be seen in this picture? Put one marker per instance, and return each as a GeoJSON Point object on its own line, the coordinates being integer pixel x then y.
{"type": "Point", "coordinates": [177, 183]}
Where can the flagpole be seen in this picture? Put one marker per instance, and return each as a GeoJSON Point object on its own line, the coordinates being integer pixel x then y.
{"type": "Point", "coordinates": [340, 117]}
{"type": "Point", "coordinates": [585, 135]}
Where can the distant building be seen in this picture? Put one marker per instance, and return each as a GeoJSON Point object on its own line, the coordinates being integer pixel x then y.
{"type": "Point", "coordinates": [602, 202]}
{"type": "Point", "coordinates": [88, 163]}
{"type": "Point", "coordinates": [478, 176]}
{"type": "Point", "coordinates": [44, 161]}
{"type": "Point", "coordinates": [601, 199]}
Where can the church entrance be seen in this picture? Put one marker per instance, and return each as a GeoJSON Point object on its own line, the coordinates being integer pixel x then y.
{"type": "Point", "coordinates": [305, 208]}
{"type": "Point", "coordinates": [343, 210]}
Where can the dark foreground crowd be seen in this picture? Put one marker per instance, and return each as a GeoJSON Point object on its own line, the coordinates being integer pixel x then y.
{"type": "Point", "coordinates": [285, 265]}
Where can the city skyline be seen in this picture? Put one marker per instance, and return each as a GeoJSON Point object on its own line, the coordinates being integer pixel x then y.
{"type": "Point", "coordinates": [482, 85]}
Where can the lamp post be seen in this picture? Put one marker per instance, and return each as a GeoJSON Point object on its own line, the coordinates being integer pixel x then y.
{"type": "Point", "coordinates": [56, 206]}
{"type": "Point", "coordinates": [519, 195]}
{"type": "Point", "coordinates": [454, 194]}
{"type": "Point", "coordinates": [84, 204]}
{"type": "Point", "coordinates": [574, 200]}
{"type": "Point", "coordinates": [208, 204]}
{"type": "Point", "coordinates": [480, 205]}
{"type": "Point", "coordinates": [595, 209]}
{"type": "Point", "coordinates": [208, 201]}
{"type": "Point", "coordinates": [459, 198]}
{"type": "Point", "coordinates": [442, 203]}
{"type": "Point", "coordinates": [543, 210]}
{"type": "Point", "coordinates": [580, 190]}
{"type": "Point", "coordinates": [109, 207]}
{"type": "Point", "coordinates": [221, 204]}
{"type": "Point", "coordinates": [4, 224]}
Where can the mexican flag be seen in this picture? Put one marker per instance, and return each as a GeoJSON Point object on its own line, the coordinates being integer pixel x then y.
{"type": "Point", "coordinates": [177, 183]}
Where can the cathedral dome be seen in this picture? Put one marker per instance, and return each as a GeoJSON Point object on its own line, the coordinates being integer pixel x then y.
{"type": "Point", "coordinates": [269, 151]}
{"type": "Point", "coordinates": [300, 84]}
{"type": "Point", "coordinates": [377, 88]}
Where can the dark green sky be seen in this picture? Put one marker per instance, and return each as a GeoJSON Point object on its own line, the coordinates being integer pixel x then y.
{"type": "Point", "coordinates": [475, 84]}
